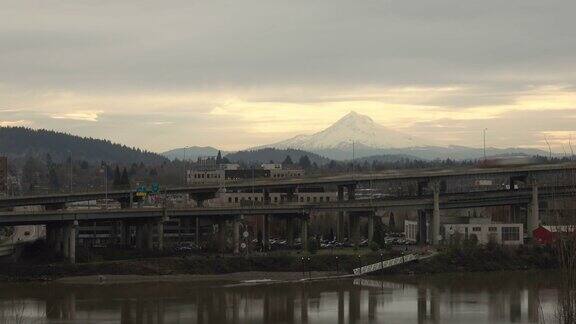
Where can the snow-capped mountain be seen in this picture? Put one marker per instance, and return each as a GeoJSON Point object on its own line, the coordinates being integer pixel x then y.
{"type": "Point", "coordinates": [372, 139]}
{"type": "Point", "coordinates": [352, 128]}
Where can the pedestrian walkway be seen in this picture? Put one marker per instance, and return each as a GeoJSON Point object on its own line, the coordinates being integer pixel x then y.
{"type": "Point", "coordinates": [385, 264]}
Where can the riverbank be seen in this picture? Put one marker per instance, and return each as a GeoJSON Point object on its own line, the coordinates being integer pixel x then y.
{"type": "Point", "coordinates": [483, 258]}
{"type": "Point", "coordinates": [288, 266]}
{"type": "Point", "coordinates": [300, 264]}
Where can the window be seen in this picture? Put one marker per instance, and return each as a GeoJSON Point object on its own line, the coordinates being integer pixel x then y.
{"type": "Point", "coordinates": [308, 199]}
{"type": "Point", "coordinates": [327, 199]}
{"type": "Point", "coordinates": [476, 229]}
{"type": "Point", "coordinates": [275, 199]}
{"type": "Point", "coordinates": [314, 199]}
{"type": "Point", "coordinates": [510, 233]}
{"type": "Point", "coordinates": [229, 199]}
{"type": "Point", "coordinates": [321, 199]}
{"type": "Point", "coordinates": [235, 199]}
{"type": "Point", "coordinates": [301, 199]}
{"type": "Point", "coordinates": [492, 229]}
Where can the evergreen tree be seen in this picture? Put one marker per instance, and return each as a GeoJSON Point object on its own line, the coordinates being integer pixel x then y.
{"type": "Point", "coordinates": [117, 177]}
{"type": "Point", "coordinates": [125, 180]}
{"type": "Point", "coordinates": [304, 162]}
{"type": "Point", "coordinates": [287, 160]}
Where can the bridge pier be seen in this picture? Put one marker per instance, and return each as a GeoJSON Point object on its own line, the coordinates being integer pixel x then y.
{"type": "Point", "coordinates": [371, 227]}
{"type": "Point", "coordinates": [354, 220]}
{"type": "Point", "coordinates": [160, 233]}
{"type": "Point", "coordinates": [422, 227]}
{"type": "Point", "coordinates": [236, 236]}
{"type": "Point", "coordinates": [265, 233]}
{"type": "Point", "coordinates": [534, 215]}
{"type": "Point", "coordinates": [435, 222]}
{"type": "Point", "coordinates": [290, 231]}
{"type": "Point", "coordinates": [340, 219]}
{"type": "Point", "coordinates": [125, 234]}
{"type": "Point", "coordinates": [221, 235]}
{"type": "Point", "coordinates": [304, 233]}
{"type": "Point", "coordinates": [68, 241]}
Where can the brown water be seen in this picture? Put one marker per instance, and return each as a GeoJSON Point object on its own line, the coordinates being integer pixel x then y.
{"type": "Point", "coordinates": [452, 298]}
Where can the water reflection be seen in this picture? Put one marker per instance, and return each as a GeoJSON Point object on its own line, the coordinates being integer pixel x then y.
{"type": "Point", "coordinates": [471, 298]}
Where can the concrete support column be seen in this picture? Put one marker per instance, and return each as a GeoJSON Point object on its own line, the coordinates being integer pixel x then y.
{"type": "Point", "coordinates": [72, 242]}
{"type": "Point", "coordinates": [66, 241]}
{"type": "Point", "coordinates": [340, 217]}
{"type": "Point", "coordinates": [265, 234]}
{"type": "Point", "coordinates": [221, 235]}
{"type": "Point", "coordinates": [140, 236]}
{"type": "Point", "coordinates": [125, 234]}
{"type": "Point", "coordinates": [236, 225]}
{"type": "Point", "coordinates": [290, 231]}
{"type": "Point", "coordinates": [160, 233]}
{"type": "Point", "coordinates": [304, 233]}
{"type": "Point", "coordinates": [148, 237]}
{"type": "Point", "coordinates": [197, 231]}
{"type": "Point", "coordinates": [435, 222]}
{"type": "Point", "coordinates": [371, 227]}
{"type": "Point", "coordinates": [534, 215]}
{"type": "Point", "coordinates": [422, 227]}
{"type": "Point", "coordinates": [354, 220]}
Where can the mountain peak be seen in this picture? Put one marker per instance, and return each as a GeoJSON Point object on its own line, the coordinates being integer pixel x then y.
{"type": "Point", "coordinates": [354, 116]}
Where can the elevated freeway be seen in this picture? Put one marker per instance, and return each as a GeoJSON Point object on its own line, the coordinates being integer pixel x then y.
{"type": "Point", "coordinates": [203, 192]}
{"type": "Point", "coordinates": [446, 201]}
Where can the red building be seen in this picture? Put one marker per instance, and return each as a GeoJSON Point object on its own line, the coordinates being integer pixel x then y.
{"type": "Point", "coordinates": [548, 234]}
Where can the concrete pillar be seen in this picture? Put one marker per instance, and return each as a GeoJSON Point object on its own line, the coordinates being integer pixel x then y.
{"type": "Point", "coordinates": [66, 241]}
{"type": "Point", "coordinates": [125, 234]}
{"type": "Point", "coordinates": [160, 232]}
{"type": "Point", "coordinates": [72, 242]}
{"type": "Point", "coordinates": [340, 220]}
{"type": "Point", "coordinates": [236, 224]}
{"type": "Point", "coordinates": [371, 227]}
{"type": "Point", "coordinates": [139, 236]}
{"type": "Point", "coordinates": [197, 231]}
{"type": "Point", "coordinates": [148, 236]}
{"type": "Point", "coordinates": [221, 235]}
{"type": "Point", "coordinates": [354, 220]}
{"type": "Point", "coordinates": [435, 222]}
{"type": "Point", "coordinates": [304, 233]}
{"type": "Point", "coordinates": [265, 234]}
{"type": "Point", "coordinates": [290, 231]}
{"type": "Point", "coordinates": [422, 228]}
{"type": "Point", "coordinates": [534, 215]}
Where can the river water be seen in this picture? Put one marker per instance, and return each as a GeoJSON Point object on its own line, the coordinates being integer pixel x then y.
{"type": "Point", "coordinates": [517, 297]}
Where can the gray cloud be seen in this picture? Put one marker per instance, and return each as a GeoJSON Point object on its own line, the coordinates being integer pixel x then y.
{"type": "Point", "coordinates": [495, 50]}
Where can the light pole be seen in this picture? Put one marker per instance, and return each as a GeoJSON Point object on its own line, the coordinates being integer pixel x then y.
{"type": "Point", "coordinates": [70, 159]}
{"type": "Point", "coordinates": [184, 166]}
{"type": "Point", "coordinates": [484, 140]}
{"type": "Point", "coordinates": [105, 186]}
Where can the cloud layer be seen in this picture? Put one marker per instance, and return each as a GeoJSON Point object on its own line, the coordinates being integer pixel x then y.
{"type": "Point", "coordinates": [235, 74]}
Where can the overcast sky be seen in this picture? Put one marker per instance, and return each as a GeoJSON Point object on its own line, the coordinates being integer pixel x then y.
{"type": "Point", "coordinates": [235, 74]}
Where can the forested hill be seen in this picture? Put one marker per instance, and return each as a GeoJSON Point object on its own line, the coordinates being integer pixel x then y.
{"type": "Point", "coordinates": [276, 155]}
{"type": "Point", "coordinates": [18, 142]}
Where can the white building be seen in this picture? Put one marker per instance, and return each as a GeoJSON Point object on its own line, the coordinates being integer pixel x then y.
{"type": "Point", "coordinates": [506, 234]}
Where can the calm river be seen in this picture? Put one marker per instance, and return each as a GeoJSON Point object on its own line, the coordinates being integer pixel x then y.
{"type": "Point", "coordinates": [453, 298]}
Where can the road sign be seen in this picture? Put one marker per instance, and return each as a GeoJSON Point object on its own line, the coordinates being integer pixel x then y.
{"type": "Point", "coordinates": [155, 188]}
